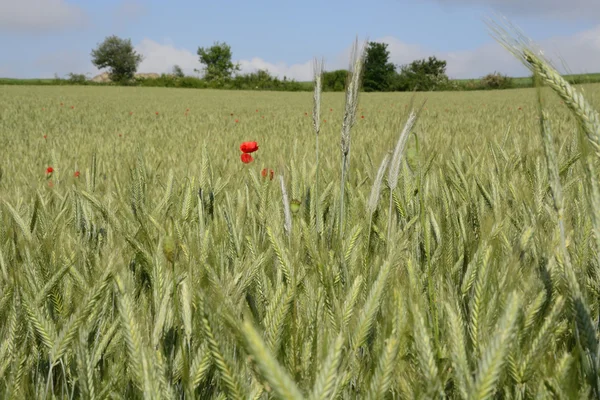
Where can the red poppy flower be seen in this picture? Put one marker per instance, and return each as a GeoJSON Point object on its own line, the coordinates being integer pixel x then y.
{"type": "Point", "coordinates": [76, 174]}
{"type": "Point", "coordinates": [362, 116]}
{"type": "Point", "coordinates": [256, 110]}
{"type": "Point", "coordinates": [237, 120]}
{"type": "Point", "coordinates": [246, 158]}
{"type": "Point", "coordinates": [249, 147]}
{"type": "Point", "coordinates": [324, 120]}
{"type": "Point", "coordinates": [266, 172]}
{"type": "Point", "coordinates": [157, 113]}
{"type": "Point", "coordinates": [130, 112]}
{"type": "Point", "coordinates": [72, 107]}
{"type": "Point", "coordinates": [331, 109]}
{"type": "Point", "coordinates": [45, 136]}
{"type": "Point", "coordinates": [49, 170]}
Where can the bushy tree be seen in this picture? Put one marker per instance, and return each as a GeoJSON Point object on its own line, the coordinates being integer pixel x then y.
{"type": "Point", "coordinates": [119, 56]}
{"type": "Point", "coordinates": [423, 75]}
{"type": "Point", "coordinates": [78, 79]}
{"type": "Point", "coordinates": [178, 72]}
{"type": "Point", "coordinates": [379, 72]}
{"type": "Point", "coordinates": [335, 81]}
{"type": "Point", "coordinates": [496, 81]}
{"type": "Point", "coordinates": [217, 62]}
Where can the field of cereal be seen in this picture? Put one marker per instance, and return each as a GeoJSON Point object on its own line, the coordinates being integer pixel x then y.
{"type": "Point", "coordinates": [152, 262]}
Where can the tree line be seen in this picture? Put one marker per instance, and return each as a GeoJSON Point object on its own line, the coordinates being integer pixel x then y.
{"type": "Point", "coordinates": [380, 75]}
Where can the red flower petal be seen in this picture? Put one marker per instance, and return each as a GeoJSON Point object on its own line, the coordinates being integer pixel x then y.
{"type": "Point", "coordinates": [246, 158]}
{"type": "Point", "coordinates": [249, 147]}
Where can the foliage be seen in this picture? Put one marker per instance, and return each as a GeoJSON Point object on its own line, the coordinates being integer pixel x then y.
{"type": "Point", "coordinates": [379, 72]}
{"type": "Point", "coordinates": [260, 80]}
{"type": "Point", "coordinates": [496, 81]}
{"type": "Point", "coordinates": [178, 72]}
{"type": "Point", "coordinates": [119, 56]}
{"type": "Point", "coordinates": [335, 81]}
{"type": "Point", "coordinates": [77, 79]}
{"type": "Point", "coordinates": [217, 62]}
{"type": "Point", "coordinates": [422, 75]}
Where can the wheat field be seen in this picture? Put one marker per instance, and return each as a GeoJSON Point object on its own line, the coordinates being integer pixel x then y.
{"type": "Point", "coordinates": [140, 258]}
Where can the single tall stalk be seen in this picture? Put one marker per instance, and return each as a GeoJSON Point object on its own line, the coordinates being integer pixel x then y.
{"type": "Point", "coordinates": [354, 79]}
{"type": "Point", "coordinates": [395, 164]}
{"type": "Point", "coordinates": [318, 72]}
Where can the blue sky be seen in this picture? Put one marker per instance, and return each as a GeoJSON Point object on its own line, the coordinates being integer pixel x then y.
{"type": "Point", "coordinates": [42, 37]}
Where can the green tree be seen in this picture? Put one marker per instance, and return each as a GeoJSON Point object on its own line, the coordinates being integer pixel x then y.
{"type": "Point", "coordinates": [119, 56]}
{"type": "Point", "coordinates": [217, 62]}
{"type": "Point", "coordinates": [335, 81]}
{"type": "Point", "coordinates": [379, 72]}
{"type": "Point", "coordinates": [178, 72]}
{"type": "Point", "coordinates": [423, 75]}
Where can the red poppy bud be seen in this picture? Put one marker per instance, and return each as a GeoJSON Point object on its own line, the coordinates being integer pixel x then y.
{"type": "Point", "coordinates": [49, 170]}
{"type": "Point", "coordinates": [264, 173]}
{"type": "Point", "coordinates": [76, 174]}
{"type": "Point", "coordinates": [249, 147]}
{"type": "Point", "coordinates": [246, 158]}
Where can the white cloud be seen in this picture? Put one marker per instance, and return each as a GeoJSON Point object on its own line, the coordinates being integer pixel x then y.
{"type": "Point", "coordinates": [559, 9]}
{"type": "Point", "coordinates": [39, 16]}
{"type": "Point", "coordinates": [161, 58]}
{"type": "Point", "coordinates": [581, 52]}
{"type": "Point", "coordinates": [299, 72]}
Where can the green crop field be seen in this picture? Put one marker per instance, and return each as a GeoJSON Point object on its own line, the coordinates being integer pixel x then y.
{"type": "Point", "coordinates": [151, 262]}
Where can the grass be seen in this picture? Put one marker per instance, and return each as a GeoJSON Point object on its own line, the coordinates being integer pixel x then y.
{"type": "Point", "coordinates": [170, 269]}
